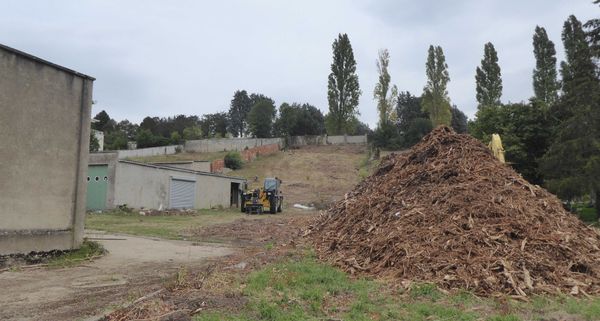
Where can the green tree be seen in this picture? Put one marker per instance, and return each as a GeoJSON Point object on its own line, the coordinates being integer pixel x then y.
{"type": "Point", "coordinates": [488, 78]}
{"type": "Point", "coordinates": [459, 120]}
{"type": "Point", "coordinates": [260, 119]}
{"type": "Point", "coordinates": [103, 122]}
{"type": "Point", "coordinates": [238, 111]}
{"type": "Point", "coordinates": [94, 143]}
{"type": "Point", "coordinates": [115, 140]}
{"type": "Point", "coordinates": [192, 133]}
{"type": "Point", "coordinates": [385, 103]}
{"type": "Point", "coordinates": [145, 138]}
{"type": "Point", "coordinates": [572, 163]}
{"type": "Point", "coordinates": [435, 99]}
{"type": "Point", "coordinates": [176, 138]}
{"type": "Point", "coordinates": [343, 89]}
{"type": "Point", "coordinates": [299, 120]}
{"type": "Point", "coordinates": [545, 84]}
{"type": "Point", "coordinates": [408, 108]}
{"type": "Point", "coordinates": [214, 125]}
{"type": "Point", "coordinates": [593, 34]}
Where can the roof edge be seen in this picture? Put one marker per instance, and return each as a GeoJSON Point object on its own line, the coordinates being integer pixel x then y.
{"type": "Point", "coordinates": [183, 170]}
{"type": "Point", "coordinates": [46, 62]}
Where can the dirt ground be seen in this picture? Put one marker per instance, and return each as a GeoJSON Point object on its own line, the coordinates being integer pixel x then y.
{"type": "Point", "coordinates": [133, 267]}
{"type": "Point", "coordinates": [136, 266]}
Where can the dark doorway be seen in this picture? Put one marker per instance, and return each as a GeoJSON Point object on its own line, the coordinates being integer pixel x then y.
{"type": "Point", "coordinates": [235, 195]}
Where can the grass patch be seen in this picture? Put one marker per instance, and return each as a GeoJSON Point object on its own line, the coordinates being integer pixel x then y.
{"type": "Point", "coordinates": [301, 288]}
{"type": "Point", "coordinates": [167, 227]}
{"type": "Point", "coordinates": [587, 214]}
{"type": "Point", "coordinates": [87, 251]}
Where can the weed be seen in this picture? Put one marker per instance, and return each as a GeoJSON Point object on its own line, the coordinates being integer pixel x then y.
{"type": "Point", "coordinates": [87, 251]}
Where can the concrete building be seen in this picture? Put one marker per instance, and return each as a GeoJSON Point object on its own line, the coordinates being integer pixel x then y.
{"type": "Point", "coordinates": [45, 128]}
{"type": "Point", "coordinates": [113, 182]}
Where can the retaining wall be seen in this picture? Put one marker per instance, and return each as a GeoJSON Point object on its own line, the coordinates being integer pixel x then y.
{"type": "Point", "coordinates": [150, 151]}
{"type": "Point", "coordinates": [228, 144]}
{"type": "Point", "coordinates": [327, 140]}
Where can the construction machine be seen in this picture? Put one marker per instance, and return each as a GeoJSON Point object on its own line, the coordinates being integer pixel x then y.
{"type": "Point", "coordinates": [265, 199]}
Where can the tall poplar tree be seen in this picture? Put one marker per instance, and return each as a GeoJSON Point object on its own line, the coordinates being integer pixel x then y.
{"type": "Point", "coordinates": [572, 163]}
{"type": "Point", "coordinates": [545, 84]}
{"type": "Point", "coordinates": [435, 99]}
{"type": "Point", "coordinates": [385, 103]}
{"type": "Point", "coordinates": [488, 78]}
{"type": "Point", "coordinates": [238, 110]}
{"type": "Point", "coordinates": [343, 89]}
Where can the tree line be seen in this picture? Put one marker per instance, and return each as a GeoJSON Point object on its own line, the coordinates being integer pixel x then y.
{"type": "Point", "coordinates": [552, 139]}
{"type": "Point", "coordinates": [249, 115]}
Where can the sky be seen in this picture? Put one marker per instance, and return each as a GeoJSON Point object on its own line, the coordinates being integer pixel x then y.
{"type": "Point", "coordinates": [164, 58]}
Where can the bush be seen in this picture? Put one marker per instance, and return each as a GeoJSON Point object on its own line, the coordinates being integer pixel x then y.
{"type": "Point", "coordinates": [233, 160]}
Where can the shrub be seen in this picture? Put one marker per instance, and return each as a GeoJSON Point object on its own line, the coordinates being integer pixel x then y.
{"type": "Point", "coordinates": [233, 160]}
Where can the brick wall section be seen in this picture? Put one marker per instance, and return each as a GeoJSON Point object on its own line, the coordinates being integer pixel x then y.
{"type": "Point", "coordinates": [217, 166]}
{"type": "Point", "coordinates": [248, 155]}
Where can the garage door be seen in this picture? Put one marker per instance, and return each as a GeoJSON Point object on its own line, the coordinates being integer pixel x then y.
{"type": "Point", "coordinates": [182, 193]}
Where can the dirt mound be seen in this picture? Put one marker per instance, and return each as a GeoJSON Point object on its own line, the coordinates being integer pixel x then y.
{"type": "Point", "coordinates": [448, 212]}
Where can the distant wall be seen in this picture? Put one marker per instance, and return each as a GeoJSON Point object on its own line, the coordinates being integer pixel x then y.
{"type": "Point", "coordinates": [327, 140]}
{"type": "Point", "coordinates": [228, 144]}
{"type": "Point", "coordinates": [150, 151]}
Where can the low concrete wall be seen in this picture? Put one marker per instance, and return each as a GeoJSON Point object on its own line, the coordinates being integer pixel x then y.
{"type": "Point", "coordinates": [150, 151]}
{"type": "Point", "coordinates": [228, 144]}
{"type": "Point", "coordinates": [326, 140]}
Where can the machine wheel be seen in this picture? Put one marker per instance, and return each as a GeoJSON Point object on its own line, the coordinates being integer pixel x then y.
{"type": "Point", "coordinates": [279, 208]}
{"type": "Point", "coordinates": [242, 207]}
{"type": "Point", "coordinates": [273, 204]}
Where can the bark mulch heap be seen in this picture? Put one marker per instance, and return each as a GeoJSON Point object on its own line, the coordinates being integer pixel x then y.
{"type": "Point", "coordinates": [449, 213]}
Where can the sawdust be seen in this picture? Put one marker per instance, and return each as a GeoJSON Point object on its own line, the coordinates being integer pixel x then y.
{"type": "Point", "coordinates": [448, 212]}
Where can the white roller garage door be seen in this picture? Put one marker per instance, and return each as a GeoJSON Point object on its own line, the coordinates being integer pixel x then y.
{"type": "Point", "coordinates": [182, 193]}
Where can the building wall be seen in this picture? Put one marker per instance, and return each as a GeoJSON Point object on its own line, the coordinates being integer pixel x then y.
{"type": "Point", "coordinates": [45, 114]}
{"type": "Point", "coordinates": [228, 144]}
{"type": "Point", "coordinates": [148, 186]}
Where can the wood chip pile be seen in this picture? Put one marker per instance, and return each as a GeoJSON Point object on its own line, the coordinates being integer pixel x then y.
{"type": "Point", "coordinates": [449, 213]}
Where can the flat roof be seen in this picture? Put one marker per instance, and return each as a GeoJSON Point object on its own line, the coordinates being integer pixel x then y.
{"type": "Point", "coordinates": [183, 170]}
{"type": "Point", "coordinates": [45, 62]}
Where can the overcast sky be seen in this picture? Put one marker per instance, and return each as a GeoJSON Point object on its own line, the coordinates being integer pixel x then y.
{"type": "Point", "coordinates": [162, 58]}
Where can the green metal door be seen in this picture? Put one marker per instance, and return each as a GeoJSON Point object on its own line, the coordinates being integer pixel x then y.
{"type": "Point", "coordinates": [97, 181]}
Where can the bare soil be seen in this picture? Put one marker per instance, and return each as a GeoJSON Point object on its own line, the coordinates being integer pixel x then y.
{"type": "Point", "coordinates": [133, 267]}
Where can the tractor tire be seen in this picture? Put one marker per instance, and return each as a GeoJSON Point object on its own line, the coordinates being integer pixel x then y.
{"type": "Point", "coordinates": [279, 208]}
{"type": "Point", "coordinates": [242, 208]}
{"type": "Point", "coordinates": [273, 205]}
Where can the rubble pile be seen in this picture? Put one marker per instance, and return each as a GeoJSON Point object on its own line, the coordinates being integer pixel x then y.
{"type": "Point", "coordinates": [449, 213]}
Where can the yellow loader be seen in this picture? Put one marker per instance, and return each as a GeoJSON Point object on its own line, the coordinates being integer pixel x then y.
{"type": "Point", "coordinates": [265, 199]}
